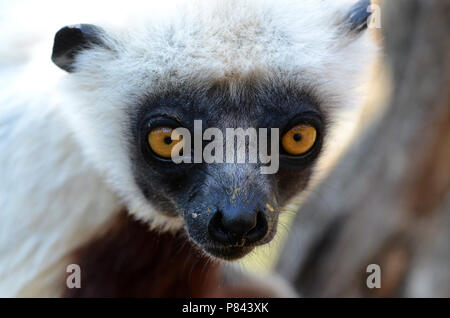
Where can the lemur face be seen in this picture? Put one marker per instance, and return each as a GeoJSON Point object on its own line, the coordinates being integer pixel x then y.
{"type": "Point", "coordinates": [266, 66]}
{"type": "Point", "coordinates": [228, 208]}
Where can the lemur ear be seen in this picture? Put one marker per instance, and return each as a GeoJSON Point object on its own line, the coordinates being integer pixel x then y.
{"type": "Point", "coordinates": [358, 16]}
{"type": "Point", "coordinates": [70, 40]}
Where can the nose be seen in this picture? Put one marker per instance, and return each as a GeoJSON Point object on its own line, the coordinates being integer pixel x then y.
{"type": "Point", "coordinates": [238, 228]}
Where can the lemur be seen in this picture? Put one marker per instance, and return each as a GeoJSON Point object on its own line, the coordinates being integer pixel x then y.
{"type": "Point", "coordinates": [84, 173]}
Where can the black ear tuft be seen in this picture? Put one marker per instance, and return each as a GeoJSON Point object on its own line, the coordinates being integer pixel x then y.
{"type": "Point", "coordinates": [359, 15]}
{"type": "Point", "coordinates": [72, 39]}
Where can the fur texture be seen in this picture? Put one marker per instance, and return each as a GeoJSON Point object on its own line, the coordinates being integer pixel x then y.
{"type": "Point", "coordinates": [65, 169]}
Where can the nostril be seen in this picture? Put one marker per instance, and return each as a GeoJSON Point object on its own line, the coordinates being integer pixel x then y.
{"type": "Point", "coordinates": [238, 230]}
{"type": "Point", "coordinates": [216, 230]}
{"type": "Point", "coordinates": [260, 230]}
{"type": "Point", "coordinates": [240, 223]}
{"type": "Point", "coordinates": [219, 231]}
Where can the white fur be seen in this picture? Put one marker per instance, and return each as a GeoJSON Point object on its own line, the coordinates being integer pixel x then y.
{"type": "Point", "coordinates": [65, 170]}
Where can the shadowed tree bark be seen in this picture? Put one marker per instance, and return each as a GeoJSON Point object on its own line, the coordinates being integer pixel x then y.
{"type": "Point", "coordinates": [387, 201]}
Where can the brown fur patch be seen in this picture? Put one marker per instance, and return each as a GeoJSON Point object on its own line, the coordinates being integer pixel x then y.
{"type": "Point", "coordinates": [129, 260]}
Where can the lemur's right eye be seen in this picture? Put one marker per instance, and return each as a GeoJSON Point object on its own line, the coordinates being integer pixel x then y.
{"type": "Point", "coordinates": [299, 139]}
{"type": "Point", "coordinates": [160, 141]}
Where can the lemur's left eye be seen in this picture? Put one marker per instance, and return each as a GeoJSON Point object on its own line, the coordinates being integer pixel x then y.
{"type": "Point", "coordinates": [160, 141]}
{"type": "Point", "coordinates": [299, 139]}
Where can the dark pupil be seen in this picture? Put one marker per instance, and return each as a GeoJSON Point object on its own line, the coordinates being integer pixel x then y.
{"type": "Point", "coordinates": [297, 137]}
{"type": "Point", "coordinates": [167, 140]}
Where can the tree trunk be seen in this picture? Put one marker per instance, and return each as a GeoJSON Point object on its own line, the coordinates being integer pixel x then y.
{"type": "Point", "coordinates": [387, 201]}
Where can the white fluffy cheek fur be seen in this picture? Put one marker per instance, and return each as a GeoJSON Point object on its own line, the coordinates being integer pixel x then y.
{"type": "Point", "coordinates": [97, 115]}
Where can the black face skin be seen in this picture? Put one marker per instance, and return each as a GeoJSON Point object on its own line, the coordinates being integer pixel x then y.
{"type": "Point", "coordinates": [207, 195]}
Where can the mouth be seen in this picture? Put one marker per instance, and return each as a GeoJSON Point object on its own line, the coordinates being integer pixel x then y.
{"type": "Point", "coordinates": [229, 253]}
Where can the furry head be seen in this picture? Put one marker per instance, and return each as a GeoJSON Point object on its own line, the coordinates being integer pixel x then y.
{"type": "Point", "coordinates": [265, 64]}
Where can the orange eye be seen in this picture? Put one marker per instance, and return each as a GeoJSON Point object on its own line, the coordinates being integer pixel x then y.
{"type": "Point", "coordinates": [160, 140]}
{"type": "Point", "coordinates": [299, 139]}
